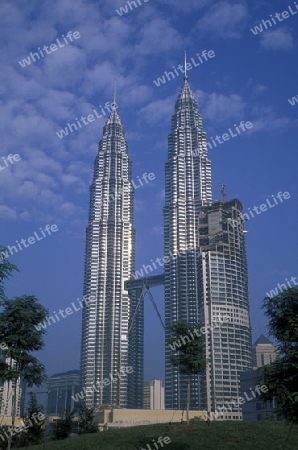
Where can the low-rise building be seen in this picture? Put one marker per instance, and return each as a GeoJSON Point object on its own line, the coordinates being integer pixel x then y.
{"type": "Point", "coordinates": [153, 395]}
{"type": "Point", "coordinates": [61, 388]}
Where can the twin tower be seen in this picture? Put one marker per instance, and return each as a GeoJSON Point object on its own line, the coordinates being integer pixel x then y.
{"type": "Point", "coordinates": [205, 274]}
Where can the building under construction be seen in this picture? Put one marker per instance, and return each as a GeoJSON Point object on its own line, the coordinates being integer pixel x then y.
{"type": "Point", "coordinates": [224, 292]}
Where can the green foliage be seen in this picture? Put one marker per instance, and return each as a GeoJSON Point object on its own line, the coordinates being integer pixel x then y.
{"type": "Point", "coordinates": [282, 311]}
{"type": "Point", "coordinates": [17, 330]}
{"type": "Point", "coordinates": [86, 416]}
{"type": "Point", "coordinates": [281, 377]}
{"type": "Point", "coordinates": [34, 421]}
{"type": "Point", "coordinates": [190, 356]}
{"type": "Point", "coordinates": [6, 269]}
{"type": "Point", "coordinates": [18, 320]}
{"type": "Point", "coordinates": [197, 419]}
{"type": "Point", "coordinates": [64, 424]}
{"type": "Point", "coordinates": [16, 438]}
{"type": "Point", "coordinates": [221, 435]}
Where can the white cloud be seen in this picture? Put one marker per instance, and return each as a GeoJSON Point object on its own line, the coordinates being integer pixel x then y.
{"type": "Point", "coordinates": [260, 88]}
{"type": "Point", "coordinates": [265, 119]}
{"type": "Point", "coordinates": [69, 179]}
{"type": "Point", "coordinates": [272, 123]}
{"type": "Point", "coordinates": [54, 174]}
{"type": "Point", "coordinates": [7, 213]}
{"type": "Point", "coordinates": [187, 6]}
{"type": "Point", "coordinates": [158, 110]}
{"type": "Point", "coordinates": [280, 39]}
{"type": "Point", "coordinates": [58, 67]}
{"type": "Point", "coordinates": [40, 99]}
{"type": "Point", "coordinates": [219, 107]}
{"type": "Point", "coordinates": [68, 209]}
{"type": "Point", "coordinates": [157, 231]}
{"type": "Point", "coordinates": [28, 190]}
{"type": "Point", "coordinates": [24, 215]}
{"type": "Point", "coordinates": [158, 34]}
{"type": "Point", "coordinates": [224, 19]}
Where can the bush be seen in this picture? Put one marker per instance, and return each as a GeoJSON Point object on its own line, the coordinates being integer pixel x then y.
{"type": "Point", "coordinates": [86, 416]}
{"type": "Point", "coordinates": [64, 424]}
{"type": "Point", "coordinates": [18, 439]}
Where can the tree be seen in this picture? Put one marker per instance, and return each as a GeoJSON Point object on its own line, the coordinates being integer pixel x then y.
{"type": "Point", "coordinates": [64, 424]}
{"type": "Point", "coordinates": [6, 269]}
{"type": "Point", "coordinates": [5, 432]}
{"type": "Point", "coordinates": [18, 320]}
{"type": "Point", "coordinates": [86, 416]}
{"type": "Point", "coordinates": [34, 421]}
{"type": "Point", "coordinates": [281, 377]}
{"type": "Point", "coordinates": [190, 356]}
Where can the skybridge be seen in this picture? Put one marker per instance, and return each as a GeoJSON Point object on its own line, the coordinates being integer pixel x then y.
{"type": "Point", "coordinates": [144, 284]}
{"type": "Point", "coordinates": [148, 282]}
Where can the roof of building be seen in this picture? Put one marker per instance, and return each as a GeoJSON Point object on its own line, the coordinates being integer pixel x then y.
{"type": "Point", "coordinates": [263, 340]}
{"type": "Point", "coordinates": [69, 372]}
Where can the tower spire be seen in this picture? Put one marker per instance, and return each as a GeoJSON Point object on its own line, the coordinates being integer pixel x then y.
{"type": "Point", "coordinates": [114, 95]}
{"type": "Point", "coordinates": [185, 72]}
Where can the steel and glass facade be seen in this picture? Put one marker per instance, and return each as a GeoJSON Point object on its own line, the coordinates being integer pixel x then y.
{"type": "Point", "coordinates": [206, 271]}
{"type": "Point", "coordinates": [109, 262]}
{"type": "Point", "coordinates": [187, 189]}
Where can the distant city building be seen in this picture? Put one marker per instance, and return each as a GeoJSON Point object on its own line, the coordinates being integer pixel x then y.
{"type": "Point", "coordinates": [108, 418]}
{"type": "Point", "coordinates": [7, 393]}
{"type": "Point", "coordinates": [23, 387]}
{"type": "Point", "coordinates": [254, 408]}
{"type": "Point", "coordinates": [61, 388]}
{"type": "Point", "coordinates": [6, 398]}
{"type": "Point", "coordinates": [263, 352]}
{"type": "Point", "coordinates": [154, 396]}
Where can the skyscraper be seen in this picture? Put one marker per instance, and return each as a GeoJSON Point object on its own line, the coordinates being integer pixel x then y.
{"type": "Point", "coordinates": [187, 189]}
{"type": "Point", "coordinates": [224, 293]}
{"type": "Point", "coordinates": [206, 272]}
{"type": "Point", "coordinates": [109, 262]}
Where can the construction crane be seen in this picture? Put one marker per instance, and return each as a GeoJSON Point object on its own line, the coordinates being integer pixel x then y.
{"type": "Point", "coordinates": [223, 191]}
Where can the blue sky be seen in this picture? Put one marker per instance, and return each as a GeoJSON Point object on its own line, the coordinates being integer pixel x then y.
{"type": "Point", "coordinates": [250, 78]}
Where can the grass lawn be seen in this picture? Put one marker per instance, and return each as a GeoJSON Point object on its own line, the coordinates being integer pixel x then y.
{"type": "Point", "coordinates": [263, 435]}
